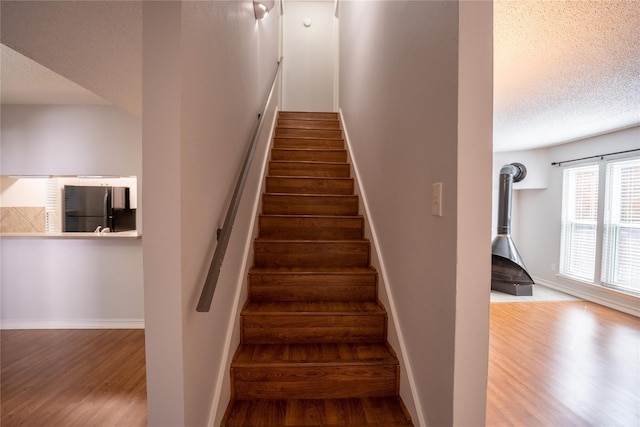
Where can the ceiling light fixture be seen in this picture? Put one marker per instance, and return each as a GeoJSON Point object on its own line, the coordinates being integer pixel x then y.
{"type": "Point", "coordinates": [261, 8]}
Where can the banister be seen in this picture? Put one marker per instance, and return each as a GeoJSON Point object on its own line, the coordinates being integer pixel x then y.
{"type": "Point", "coordinates": [224, 234]}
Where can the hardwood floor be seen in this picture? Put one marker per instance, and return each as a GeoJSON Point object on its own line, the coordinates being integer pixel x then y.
{"type": "Point", "coordinates": [554, 364]}
{"type": "Point", "coordinates": [69, 378]}
{"type": "Point", "coordinates": [563, 364]}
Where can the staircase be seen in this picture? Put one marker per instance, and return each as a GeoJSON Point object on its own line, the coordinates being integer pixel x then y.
{"type": "Point", "coordinates": [313, 346]}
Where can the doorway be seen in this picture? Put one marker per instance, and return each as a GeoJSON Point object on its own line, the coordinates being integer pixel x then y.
{"type": "Point", "coordinates": [310, 56]}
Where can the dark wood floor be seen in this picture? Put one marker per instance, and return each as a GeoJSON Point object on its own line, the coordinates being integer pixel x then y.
{"type": "Point", "coordinates": [69, 378]}
{"type": "Point", "coordinates": [563, 364]}
{"type": "Point", "coordinates": [551, 364]}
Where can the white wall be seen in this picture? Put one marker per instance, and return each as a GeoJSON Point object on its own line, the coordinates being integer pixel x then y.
{"type": "Point", "coordinates": [161, 245]}
{"type": "Point", "coordinates": [70, 140]}
{"type": "Point", "coordinates": [408, 127]}
{"type": "Point", "coordinates": [539, 216]}
{"type": "Point", "coordinates": [207, 68]}
{"type": "Point", "coordinates": [60, 283]}
{"type": "Point", "coordinates": [72, 282]}
{"type": "Point", "coordinates": [536, 162]}
{"type": "Point", "coordinates": [309, 54]}
{"type": "Point", "coordinates": [475, 141]}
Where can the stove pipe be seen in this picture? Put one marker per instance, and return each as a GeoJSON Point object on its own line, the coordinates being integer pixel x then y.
{"type": "Point", "coordinates": [508, 272]}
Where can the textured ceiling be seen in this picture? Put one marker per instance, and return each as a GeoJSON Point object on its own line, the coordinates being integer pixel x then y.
{"type": "Point", "coordinates": [96, 44]}
{"type": "Point", "coordinates": [563, 69]}
{"type": "Point", "coordinates": [26, 82]}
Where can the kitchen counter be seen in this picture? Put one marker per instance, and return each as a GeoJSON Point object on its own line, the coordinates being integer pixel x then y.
{"type": "Point", "coordinates": [115, 235]}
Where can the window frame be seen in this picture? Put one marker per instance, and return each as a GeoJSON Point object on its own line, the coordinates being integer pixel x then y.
{"type": "Point", "coordinates": [612, 209]}
{"type": "Point", "coordinates": [604, 190]}
{"type": "Point", "coordinates": [569, 204]}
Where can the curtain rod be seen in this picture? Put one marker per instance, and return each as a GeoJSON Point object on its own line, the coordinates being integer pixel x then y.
{"type": "Point", "coordinates": [601, 156]}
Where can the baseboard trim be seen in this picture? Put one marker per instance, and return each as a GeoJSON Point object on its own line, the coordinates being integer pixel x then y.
{"type": "Point", "coordinates": [584, 294]}
{"type": "Point", "coordinates": [402, 351]}
{"type": "Point", "coordinates": [72, 324]}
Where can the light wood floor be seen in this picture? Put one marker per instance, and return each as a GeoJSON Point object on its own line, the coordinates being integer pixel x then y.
{"type": "Point", "coordinates": [563, 364]}
{"type": "Point", "coordinates": [554, 364]}
{"type": "Point", "coordinates": [69, 378]}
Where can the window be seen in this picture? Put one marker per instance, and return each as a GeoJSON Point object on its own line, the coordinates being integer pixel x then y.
{"type": "Point", "coordinates": [621, 242]}
{"type": "Point", "coordinates": [579, 222]}
{"type": "Point", "coordinates": [600, 237]}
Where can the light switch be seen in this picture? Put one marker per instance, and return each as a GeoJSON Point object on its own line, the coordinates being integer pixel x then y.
{"type": "Point", "coordinates": [436, 199]}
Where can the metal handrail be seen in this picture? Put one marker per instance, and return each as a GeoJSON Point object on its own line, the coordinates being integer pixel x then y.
{"type": "Point", "coordinates": [224, 234]}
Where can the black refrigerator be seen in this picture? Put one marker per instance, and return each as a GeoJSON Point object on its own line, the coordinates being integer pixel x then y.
{"type": "Point", "coordinates": [86, 208]}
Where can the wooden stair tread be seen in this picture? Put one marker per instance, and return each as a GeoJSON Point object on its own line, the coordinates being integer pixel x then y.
{"type": "Point", "coordinates": [303, 163]}
{"type": "Point", "coordinates": [308, 123]}
{"type": "Point", "coordinates": [308, 180]}
{"type": "Point", "coordinates": [311, 227]}
{"type": "Point", "coordinates": [286, 184]}
{"type": "Point", "coordinates": [308, 115]}
{"type": "Point", "coordinates": [323, 241]}
{"type": "Point", "coordinates": [312, 179]}
{"type": "Point", "coordinates": [269, 252]}
{"type": "Point", "coordinates": [310, 195]}
{"type": "Point", "coordinates": [310, 133]}
{"type": "Point", "coordinates": [323, 171]}
{"type": "Point", "coordinates": [306, 154]}
{"type": "Point", "coordinates": [275, 322]}
{"type": "Point", "coordinates": [310, 138]}
{"type": "Point", "coordinates": [312, 270]}
{"type": "Point", "coordinates": [300, 143]}
{"type": "Point", "coordinates": [310, 204]}
{"type": "Point", "coordinates": [283, 141]}
{"type": "Point", "coordinates": [328, 308]}
{"type": "Point", "coordinates": [353, 412]}
{"type": "Point", "coordinates": [313, 353]}
{"type": "Point", "coordinates": [311, 216]}
{"type": "Point", "coordinates": [309, 150]}
{"type": "Point", "coordinates": [313, 284]}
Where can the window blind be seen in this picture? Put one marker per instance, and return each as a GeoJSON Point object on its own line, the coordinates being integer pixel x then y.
{"type": "Point", "coordinates": [579, 222]}
{"type": "Point", "coordinates": [52, 206]}
{"type": "Point", "coordinates": [621, 238]}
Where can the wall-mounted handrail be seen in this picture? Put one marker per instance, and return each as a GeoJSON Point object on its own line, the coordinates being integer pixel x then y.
{"type": "Point", "coordinates": [224, 234]}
